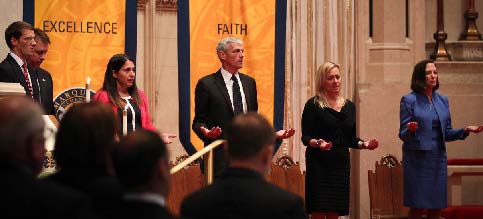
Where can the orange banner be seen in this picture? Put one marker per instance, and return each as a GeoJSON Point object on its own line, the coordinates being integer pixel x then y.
{"type": "Point", "coordinates": [253, 21]}
{"type": "Point", "coordinates": [84, 35]}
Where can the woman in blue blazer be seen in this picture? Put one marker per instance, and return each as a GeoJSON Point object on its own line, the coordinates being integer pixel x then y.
{"type": "Point", "coordinates": [425, 126]}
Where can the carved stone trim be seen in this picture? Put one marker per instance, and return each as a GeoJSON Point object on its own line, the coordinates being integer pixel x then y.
{"type": "Point", "coordinates": [167, 5]}
{"type": "Point", "coordinates": [161, 5]}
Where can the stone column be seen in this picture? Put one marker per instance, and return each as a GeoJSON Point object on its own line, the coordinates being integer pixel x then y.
{"type": "Point", "coordinates": [383, 68]}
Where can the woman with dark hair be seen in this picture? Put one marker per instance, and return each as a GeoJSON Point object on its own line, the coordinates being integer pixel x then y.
{"type": "Point", "coordinates": [120, 91]}
{"type": "Point", "coordinates": [83, 146]}
{"type": "Point", "coordinates": [425, 126]}
{"type": "Point", "coordinates": [328, 131]}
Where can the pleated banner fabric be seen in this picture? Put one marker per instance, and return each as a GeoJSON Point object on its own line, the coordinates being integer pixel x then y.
{"type": "Point", "coordinates": [260, 25]}
{"type": "Point", "coordinates": [84, 35]}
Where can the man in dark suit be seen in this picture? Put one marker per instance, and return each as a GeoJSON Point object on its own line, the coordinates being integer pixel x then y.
{"type": "Point", "coordinates": [222, 95]}
{"type": "Point", "coordinates": [242, 191]}
{"type": "Point", "coordinates": [21, 158]}
{"type": "Point", "coordinates": [20, 38]}
{"type": "Point", "coordinates": [141, 163]}
{"type": "Point", "coordinates": [44, 79]}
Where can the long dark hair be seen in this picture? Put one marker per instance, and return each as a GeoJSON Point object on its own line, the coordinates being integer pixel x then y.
{"type": "Point", "coordinates": [110, 84]}
{"type": "Point", "coordinates": [84, 139]}
{"type": "Point", "coordinates": [418, 80]}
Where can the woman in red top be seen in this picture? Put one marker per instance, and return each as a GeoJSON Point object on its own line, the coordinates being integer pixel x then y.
{"type": "Point", "coordinates": [120, 91]}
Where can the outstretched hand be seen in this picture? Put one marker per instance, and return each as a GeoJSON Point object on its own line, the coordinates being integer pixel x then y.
{"type": "Point", "coordinates": [474, 129]}
{"type": "Point", "coordinates": [412, 126]}
{"type": "Point", "coordinates": [285, 133]}
{"type": "Point", "coordinates": [211, 133]}
{"type": "Point", "coordinates": [166, 137]}
{"type": "Point", "coordinates": [321, 143]}
{"type": "Point", "coordinates": [371, 144]}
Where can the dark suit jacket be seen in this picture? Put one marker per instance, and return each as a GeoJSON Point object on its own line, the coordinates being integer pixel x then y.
{"type": "Point", "coordinates": [104, 192]}
{"type": "Point", "coordinates": [11, 72]}
{"type": "Point", "coordinates": [242, 193]}
{"type": "Point", "coordinates": [24, 196]}
{"type": "Point", "coordinates": [415, 108]}
{"type": "Point", "coordinates": [213, 108]}
{"type": "Point", "coordinates": [44, 81]}
{"type": "Point", "coordinates": [142, 210]}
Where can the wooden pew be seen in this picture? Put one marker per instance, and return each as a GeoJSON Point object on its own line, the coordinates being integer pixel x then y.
{"type": "Point", "coordinates": [183, 183]}
{"type": "Point", "coordinates": [284, 173]}
{"type": "Point", "coordinates": [386, 189]}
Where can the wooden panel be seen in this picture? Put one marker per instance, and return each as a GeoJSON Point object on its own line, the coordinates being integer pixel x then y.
{"type": "Point", "coordinates": [383, 185]}
{"type": "Point", "coordinates": [386, 189]}
{"type": "Point", "coordinates": [295, 180]}
{"type": "Point", "coordinates": [182, 184]}
{"type": "Point", "coordinates": [397, 189]}
{"type": "Point", "coordinates": [372, 189]}
{"type": "Point", "coordinates": [277, 176]}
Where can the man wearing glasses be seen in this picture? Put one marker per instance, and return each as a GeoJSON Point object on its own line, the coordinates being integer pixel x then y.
{"type": "Point", "coordinates": [20, 38]}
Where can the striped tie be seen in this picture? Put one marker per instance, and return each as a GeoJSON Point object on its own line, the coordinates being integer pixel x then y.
{"type": "Point", "coordinates": [27, 80]}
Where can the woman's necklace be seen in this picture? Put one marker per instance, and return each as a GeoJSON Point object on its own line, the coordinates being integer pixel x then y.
{"type": "Point", "coordinates": [430, 99]}
{"type": "Point", "coordinates": [335, 104]}
{"type": "Point", "coordinates": [123, 94]}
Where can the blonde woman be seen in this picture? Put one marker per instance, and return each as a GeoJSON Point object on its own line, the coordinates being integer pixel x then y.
{"type": "Point", "coordinates": [328, 131]}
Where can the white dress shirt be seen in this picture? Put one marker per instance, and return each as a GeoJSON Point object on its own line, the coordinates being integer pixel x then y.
{"type": "Point", "coordinates": [229, 86]}
{"type": "Point", "coordinates": [20, 62]}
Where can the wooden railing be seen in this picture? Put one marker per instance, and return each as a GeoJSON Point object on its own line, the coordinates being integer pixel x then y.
{"type": "Point", "coordinates": [208, 150]}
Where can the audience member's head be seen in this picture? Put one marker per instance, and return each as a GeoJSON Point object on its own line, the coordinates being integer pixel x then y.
{"type": "Point", "coordinates": [40, 49]}
{"type": "Point", "coordinates": [141, 162]}
{"type": "Point", "coordinates": [250, 142]}
{"type": "Point", "coordinates": [20, 38]}
{"type": "Point", "coordinates": [22, 132]}
{"type": "Point", "coordinates": [84, 139]}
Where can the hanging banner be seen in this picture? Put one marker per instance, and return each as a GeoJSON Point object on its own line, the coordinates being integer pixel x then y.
{"type": "Point", "coordinates": [84, 35]}
{"type": "Point", "coordinates": [261, 27]}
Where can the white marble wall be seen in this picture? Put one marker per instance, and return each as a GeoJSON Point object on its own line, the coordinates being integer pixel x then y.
{"type": "Point", "coordinates": [165, 74]}
{"type": "Point", "coordinates": [10, 11]}
{"type": "Point", "coordinates": [384, 71]}
{"type": "Point", "coordinates": [167, 78]}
